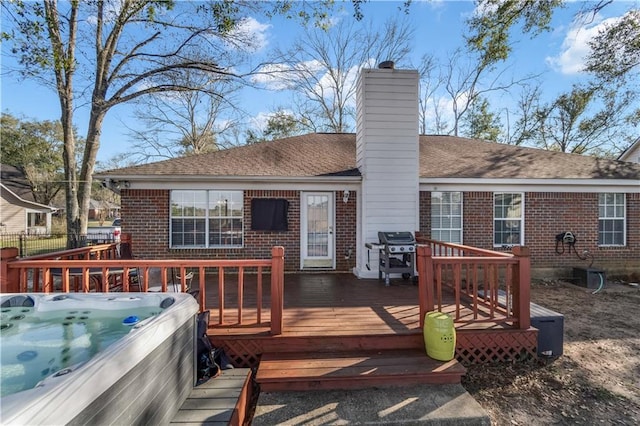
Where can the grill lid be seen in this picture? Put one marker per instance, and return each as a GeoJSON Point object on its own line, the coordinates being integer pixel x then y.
{"type": "Point", "coordinates": [396, 238]}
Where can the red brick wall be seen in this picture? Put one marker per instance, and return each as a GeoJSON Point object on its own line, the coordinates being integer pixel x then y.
{"type": "Point", "coordinates": [477, 219]}
{"type": "Point", "coordinates": [548, 214]}
{"type": "Point", "coordinates": [145, 215]}
{"type": "Point", "coordinates": [345, 232]}
{"type": "Point", "coordinates": [424, 200]}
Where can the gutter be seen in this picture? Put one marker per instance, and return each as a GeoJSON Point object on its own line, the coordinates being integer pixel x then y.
{"type": "Point", "coordinates": [117, 182]}
{"type": "Point", "coordinates": [530, 185]}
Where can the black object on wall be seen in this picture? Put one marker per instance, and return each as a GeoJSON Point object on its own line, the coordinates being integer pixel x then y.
{"type": "Point", "coordinates": [269, 214]}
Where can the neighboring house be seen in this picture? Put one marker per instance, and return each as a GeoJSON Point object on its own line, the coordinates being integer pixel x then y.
{"type": "Point", "coordinates": [632, 153]}
{"type": "Point", "coordinates": [324, 196]}
{"type": "Point", "coordinates": [19, 213]}
{"type": "Point", "coordinates": [103, 210]}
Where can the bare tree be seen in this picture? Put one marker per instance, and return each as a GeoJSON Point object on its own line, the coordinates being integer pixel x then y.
{"type": "Point", "coordinates": [186, 123]}
{"type": "Point", "coordinates": [323, 66]}
{"type": "Point", "coordinates": [466, 82]}
{"type": "Point", "coordinates": [115, 52]}
{"type": "Point", "coordinates": [526, 124]}
{"type": "Point", "coordinates": [430, 111]}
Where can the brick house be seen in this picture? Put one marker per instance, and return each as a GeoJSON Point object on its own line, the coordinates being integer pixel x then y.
{"type": "Point", "coordinates": [324, 196]}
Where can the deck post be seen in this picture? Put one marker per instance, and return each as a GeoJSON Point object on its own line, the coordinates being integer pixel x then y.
{"type": "Point", "coordinates": [425, 281]}
{"type": "Point", "coordinates": [277, 289]}
{"type": "Point", "coordinates": [9, 278]}
{"type": "Point", "coordinates": [522, 287]}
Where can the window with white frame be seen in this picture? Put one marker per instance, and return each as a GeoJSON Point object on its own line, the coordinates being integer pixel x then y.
{"type": "Point", "coordinates": [508, 219]}
{"type": "Point", "coordinates": [202, 219]}
{"type": "Point", "coordinates": [446, 216]}
{"type": "Point", "coordinates": [611, 219]}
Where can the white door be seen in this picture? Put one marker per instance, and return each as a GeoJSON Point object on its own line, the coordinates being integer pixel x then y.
{"type": "Point", "coordinates": [317, 238]}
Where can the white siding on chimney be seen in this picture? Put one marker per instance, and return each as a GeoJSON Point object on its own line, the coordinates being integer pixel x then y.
{"type": "Point", "coordinates": [387, 153]}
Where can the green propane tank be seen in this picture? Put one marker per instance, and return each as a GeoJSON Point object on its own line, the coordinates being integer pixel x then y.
{"type": "Point", "coordinates": [439, 336]}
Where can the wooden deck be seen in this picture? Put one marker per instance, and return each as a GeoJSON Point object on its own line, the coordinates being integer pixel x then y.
{"type": "Point", "coordinates": [321, 305]}
{"type": "Point", "coordinates": [327, 312]}
{"type": "Point", "coordinates": [329, 304]}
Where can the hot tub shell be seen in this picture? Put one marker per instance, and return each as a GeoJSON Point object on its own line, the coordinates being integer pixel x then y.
{"type": "Point", "coordinates": [142, 378]}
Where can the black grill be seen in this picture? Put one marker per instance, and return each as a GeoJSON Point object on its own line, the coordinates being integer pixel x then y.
{"type": "Point", "coordinates": [397, 252]}
{"type": "Point", "coordinates": [396, 242]}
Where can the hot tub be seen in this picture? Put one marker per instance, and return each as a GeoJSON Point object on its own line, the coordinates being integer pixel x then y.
{"type": "Point", "coordinates": [140, 378]}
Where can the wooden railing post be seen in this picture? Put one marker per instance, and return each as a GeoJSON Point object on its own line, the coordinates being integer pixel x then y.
{"type": "Point", "coordinates": [425, 281]}
{"type": "Point", "coordinates": [9, 278]}
{"type": "Point", "coordinates": [277, 289]}
{"type": "Point", "coordinates": [522, 287]}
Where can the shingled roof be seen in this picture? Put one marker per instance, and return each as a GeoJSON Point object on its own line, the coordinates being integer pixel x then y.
{"type": "Point", "coordinates": [328, 154]}
{"type": "Point", "coordinates": [14, 179]}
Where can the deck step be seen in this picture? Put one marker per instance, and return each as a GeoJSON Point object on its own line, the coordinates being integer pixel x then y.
{"type": "Point", "coordinates": [219, 401]}
{"type": "Point", "coordinates": [353, 370]}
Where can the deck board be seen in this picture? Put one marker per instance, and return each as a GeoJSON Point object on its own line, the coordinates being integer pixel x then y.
{"type": "Point", "coordinates": [215, 402]}
{"type": "Point", "coordinates": [326, 304]}
{"type": "Point", "coordinates": [320, 304]}
{"type": "Point", "coordinates": [353, 369]}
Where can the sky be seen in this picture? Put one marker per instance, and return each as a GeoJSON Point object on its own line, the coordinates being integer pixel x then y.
{"type": "Point", "coordinates": [439, 26]}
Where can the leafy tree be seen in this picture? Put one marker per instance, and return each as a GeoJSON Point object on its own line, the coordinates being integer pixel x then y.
{"type": "Point", "coordinates": [35, 147]}
{"type": "Point", "coordinates": [613, 61]}
{"type": "Point", "coordinates": [480, 123]}
{"type": "Point", "coordinates": [615, 51]}
{"type": "Point", "coordinates": [280, 124]}
{"type": "Point", "coordinates": [568, 124]}
{"type": "Point", "coordinates": [492, 26]}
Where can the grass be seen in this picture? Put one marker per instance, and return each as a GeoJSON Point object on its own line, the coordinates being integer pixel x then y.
{"type": "Point", "coordinates": [33, 245]}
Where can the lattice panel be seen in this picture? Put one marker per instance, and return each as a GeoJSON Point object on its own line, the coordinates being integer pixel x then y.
{"type": "Point", "coordinates": [244, 353]}
{"type": "Point", "coordinates": [478, 347]}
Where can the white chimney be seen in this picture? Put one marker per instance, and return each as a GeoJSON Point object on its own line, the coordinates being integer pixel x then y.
{"type": "Point", "coordinates": [387, 154]}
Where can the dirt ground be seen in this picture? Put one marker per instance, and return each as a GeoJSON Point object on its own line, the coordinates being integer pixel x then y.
{"type": "Point", "coordinates": [595, 381]}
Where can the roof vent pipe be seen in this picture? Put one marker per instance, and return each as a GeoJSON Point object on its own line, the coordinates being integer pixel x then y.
{"type": "Point", "coordinates": [386, 65]}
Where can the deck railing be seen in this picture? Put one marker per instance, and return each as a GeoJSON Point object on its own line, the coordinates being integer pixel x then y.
{"type": "Point", "coordinates": [100, 268]}
{"type": "Point", "coordinates": [493, 286]}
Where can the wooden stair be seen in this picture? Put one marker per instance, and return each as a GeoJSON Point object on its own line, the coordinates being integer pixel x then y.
{"type": "Point", "coordinates": [287, 371]}
{"type": "Point", "coordinates": [223, 400]}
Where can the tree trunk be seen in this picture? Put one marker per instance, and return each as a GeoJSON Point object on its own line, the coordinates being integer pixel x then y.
{"type": "Point", "coordinates": [70, 177]}
{"type": "Point", "coordinates": [89, 162]}
{"type": "Point", "coordinates": [64, 68]}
